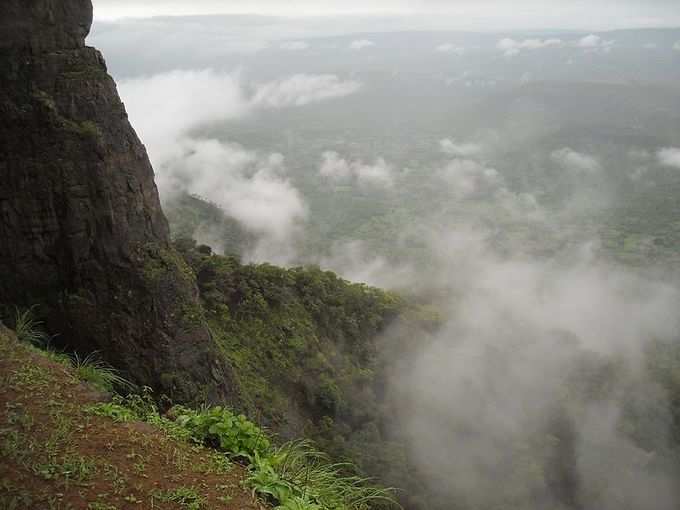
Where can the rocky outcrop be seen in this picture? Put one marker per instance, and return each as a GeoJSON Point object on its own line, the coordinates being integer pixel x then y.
{"type": "Point", "coordinates": [82, 232]}
{"type": "Point", "coordinates": [44, 25]}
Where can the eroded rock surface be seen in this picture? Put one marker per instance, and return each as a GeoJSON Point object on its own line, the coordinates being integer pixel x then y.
{"type": "Point", "coordinates": [82, 232]}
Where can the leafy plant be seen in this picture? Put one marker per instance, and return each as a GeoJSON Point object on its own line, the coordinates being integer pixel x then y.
{"type": "Point", "coordinates": [221, 428]}
{"type": "Point", "coordinates": [29, 329]}
{"type": "Point", "coordinates": [299, 504]}
{"type": "Point", "coordinates": [266, 481]}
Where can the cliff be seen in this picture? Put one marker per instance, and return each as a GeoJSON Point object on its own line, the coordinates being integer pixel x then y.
{"type": "Point", "coordinates": [82, 232]}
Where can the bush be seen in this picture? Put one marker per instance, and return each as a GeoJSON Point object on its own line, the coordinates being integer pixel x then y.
{"type": "Point", "coordinates": [229, 432]}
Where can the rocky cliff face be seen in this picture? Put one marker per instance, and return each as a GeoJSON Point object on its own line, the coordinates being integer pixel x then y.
{"type": "Point", "coordinates": [82, 232]}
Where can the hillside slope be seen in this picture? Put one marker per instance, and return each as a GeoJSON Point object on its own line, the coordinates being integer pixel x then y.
{"type": "Point", "coordinates": [56, 454]}
{"type": "Point", "coordinates": [64, 443]}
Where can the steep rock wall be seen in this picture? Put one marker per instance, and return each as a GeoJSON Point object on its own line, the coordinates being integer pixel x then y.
{"type": "Point", "coordinates": [82, 232]}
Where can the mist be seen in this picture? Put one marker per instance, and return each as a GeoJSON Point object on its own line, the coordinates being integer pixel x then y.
{"type": "Point", "coordinates": [250, 187]}
{"type": "Point", "coordinates": [537, 360]}
{"type": "Point", "coordinates": [522, 183]}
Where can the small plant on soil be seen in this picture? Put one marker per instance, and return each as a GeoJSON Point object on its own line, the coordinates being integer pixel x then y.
{"type": "Point", "coordinates": [187, 497]}
{"type": "Point", "coordinates": [29, 329]}
{"type": "Point", "coordinates": [225, 430]}
{"type": "Point", "coordinates": [92, 369]}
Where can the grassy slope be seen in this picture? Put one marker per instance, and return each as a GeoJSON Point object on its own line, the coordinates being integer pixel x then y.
{"type": "Point", "coordinates": [54, 454]}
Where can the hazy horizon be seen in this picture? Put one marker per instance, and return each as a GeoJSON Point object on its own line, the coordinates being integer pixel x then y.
{"type": "Point", "coordinates": [425, 14]}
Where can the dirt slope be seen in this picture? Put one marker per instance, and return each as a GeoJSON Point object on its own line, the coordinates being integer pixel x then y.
{"type": "Point", "coordinates": [54, 454]}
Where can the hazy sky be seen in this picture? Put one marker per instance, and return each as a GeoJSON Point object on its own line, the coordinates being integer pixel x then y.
{"type": "Point", "coordinates": [601, 14]}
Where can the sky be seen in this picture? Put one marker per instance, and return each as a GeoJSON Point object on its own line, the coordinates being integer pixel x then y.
{"type": "Point", "coordinates": [438, 14]}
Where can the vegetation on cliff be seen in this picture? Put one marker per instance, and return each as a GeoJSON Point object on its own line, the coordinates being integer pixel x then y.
{"type": "Point", "coordinates": [308, 350]}
{"type": "Point", "coordinates": [67, 444]}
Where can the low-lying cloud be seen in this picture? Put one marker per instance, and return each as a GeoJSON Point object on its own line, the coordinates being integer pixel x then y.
{"type": "Point", "coordinates": [468, 178]}
{"type": "Point", "coordinates": [511, 47]}
{"type": "Point", "coordinates": [670, 156]}
{"type": "Point", "coordinates": [450, 48]}
{"type": "Point", "coordinates": [294, 45]}
{"type": "Point", "coordinates": [464, 149]}
{"type": "Point", "coordinates": [595, 43]}
{"type": "Point", "coordinates": [574, 161]}
{"type": "Point", "coordinates": [591, 43]}
{"type": "Point", "coordinates": [169, 105]}
{"type": "Point", "coordinates": [165, 107]}
{"type": "Point", "coordinates": [251, 188]}
{"type": "Point", "coordinates": [361, 44]}
{"type": "Point", "coordinates": [302, 89]}
{"type": "Point", "coordinates": [378, 174]}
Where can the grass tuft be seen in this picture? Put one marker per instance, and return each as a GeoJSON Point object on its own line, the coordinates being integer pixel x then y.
{"type": "Point", "coordinates": [94, 370]}
{"type": "Point", "coordinates": [299, 476]}
{"type": "Point", "coordinates": [29, 329]}
{"type": "Point", "coordinates": [186, 497]}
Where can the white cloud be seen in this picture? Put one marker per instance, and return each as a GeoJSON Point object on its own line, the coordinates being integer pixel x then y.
{"type": "Point", "coordinates": [594, 43]}
{"type": "Point", "coordinates": [453, 148]}
{"type": "Point", "coordinates": [450, 48]}
{"type": "Point", "coordinates": [511, 47]}
{"type": "Point", "coordinates": [360, 44]}
{"type": "Point", "coordinates": [574, 161]}
{"type": "Point", "coordinates": [639, 154]}
{"type": "Point", "coordinates": [251, 188]}
{"type": "Point", "coordinates": [167, 106]}
{"type": "Point", "coordinates": [303, 89]}
{"type": "Point", "coordinates": [670, 156]}
{"type": "Point", "coordinates": [357, 261]}
{"type": "Point", "coordinates": [589, 41]}
{"type": "Point", "coordinates": [379, 174]}
{"type": "Point", "coordinates": [467, 178]}
{"type": "Point", "coordinates": [334, 167]}
{"type": "Point", "coordinates": [676, 46]}
{"type": "Point", "coordinates": [650, 46]}
{"type": "Point", "coordinates": [294, 45]}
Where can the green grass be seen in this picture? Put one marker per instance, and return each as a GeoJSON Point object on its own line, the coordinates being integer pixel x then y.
{"type": "Point", "coordinates": [187, 497]}
{"type": "Point", "coordinates": [92, 369]}
{"type": "Point", "coordinates": [29, 329]}
{"type": "Point", "coordinates": [69, 469]}
{"type": "Point", "coordinates": [114, 411]}
{"type": "Point", "coordinates": [100, 506]}
{"type": "Point", "coordinates": [299, 476]}
{"type": "Point", "coordinates": [294, 476]}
